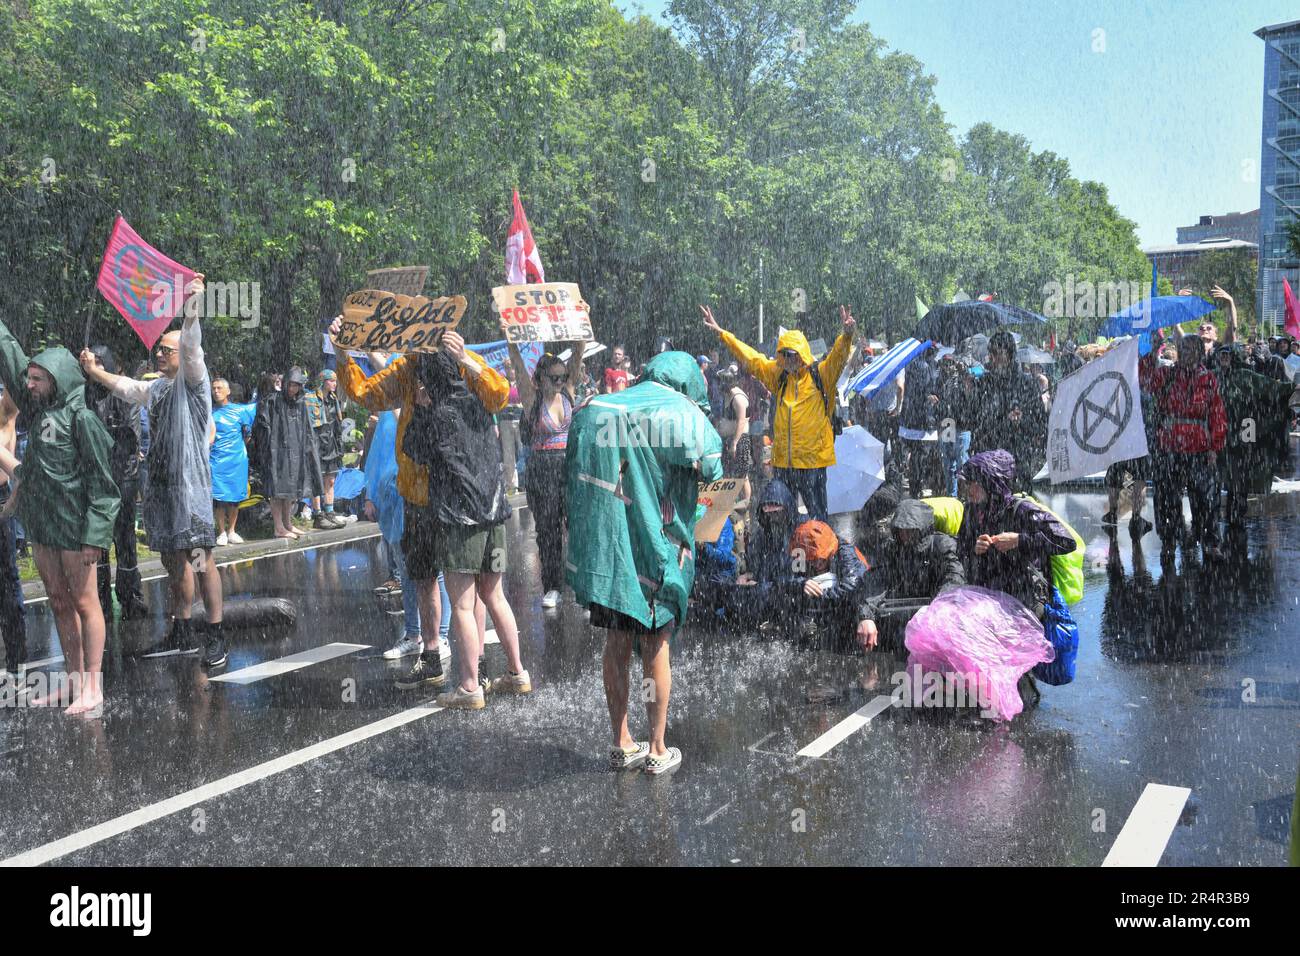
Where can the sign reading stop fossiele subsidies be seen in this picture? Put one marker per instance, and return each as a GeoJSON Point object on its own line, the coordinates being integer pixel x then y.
{"type": "Point", "coordinates": [374, 320]}
{"type": "Point", "coordinates": [543, 312]}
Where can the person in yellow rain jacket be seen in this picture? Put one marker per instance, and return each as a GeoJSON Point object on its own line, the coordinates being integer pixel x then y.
{"type": "Point", "coordinates": [803, 440]}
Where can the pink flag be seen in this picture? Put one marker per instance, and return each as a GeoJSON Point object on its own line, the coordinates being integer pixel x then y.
{"type": "Point", "coordinates": [1292, 312]}
{"type": "Point", "coordinates": [142, 283]}
{"type": "Point", "coordinates": [523, 264]}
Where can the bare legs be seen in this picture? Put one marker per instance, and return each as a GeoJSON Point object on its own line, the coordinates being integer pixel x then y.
{"type": "Point", "coordinates": [281, 514]}
{"type": "Point", "coordinates": [461, 588]}
{"type": "Point", "coordinates": [74, 601]}
{"type": "Point", "coordinates": [181, 567]}
{"type": "Point", "coordinates": [227, 514]}
{"type": "Point", "coordinates": [657, 689]}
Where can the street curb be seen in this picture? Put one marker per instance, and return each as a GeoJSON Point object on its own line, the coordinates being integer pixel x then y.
{"type": "Point", "coordinates": [35, 590]}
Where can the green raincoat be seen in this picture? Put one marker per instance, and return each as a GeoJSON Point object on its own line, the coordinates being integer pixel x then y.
{"type": "Point", "coordinates": [66, 494]}
{"type": "Point", "coordinates": [635, 460]}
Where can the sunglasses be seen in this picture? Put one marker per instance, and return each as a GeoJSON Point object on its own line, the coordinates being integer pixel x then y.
{"type": "Point", "coordinates": [555, 379]}
{"type": "Point", "coordinates": [164, 350]}
{"type": "Point", "coordinates": [789, 353]}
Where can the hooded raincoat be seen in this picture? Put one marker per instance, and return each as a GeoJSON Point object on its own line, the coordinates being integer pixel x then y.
{"type": "Point", "coordinates": [66, 495]}
{"type": "Point", "coordinates": [286, 445]}
{"type": "Point", "coordinates": [1024, 571]}
{"type": "Point", "coordinates": [634, 463]}
{"type": "Point", "coordinates": [1255, 407]}
{"type": "Point", "coordinates": [801, 435]}
{"type": "Point", "coordinates": [921, 569]}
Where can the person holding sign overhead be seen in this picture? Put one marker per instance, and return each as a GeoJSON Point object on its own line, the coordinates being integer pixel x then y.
{"type": "Point", "coordinates": [548, 399]}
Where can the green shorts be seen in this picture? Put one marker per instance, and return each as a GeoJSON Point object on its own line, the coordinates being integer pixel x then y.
{"type": "Point", "coordinates": [470, 549]}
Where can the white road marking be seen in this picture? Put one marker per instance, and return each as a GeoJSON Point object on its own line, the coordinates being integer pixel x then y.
{"type": "Point", "coordinates": [758, 743]}
{"type": "Point", "coordinates": [714, 814]}
{"type": "Point", "coordinates": [1146, 832]}
{"type": "Point", "coordinates": [245, 560]}
{"type": "Point", "coordinates": [846, 727]}
{"type": "Point", "coordinates": [284, 665]}
{"type": "Point", "coordinates": [136, 818]}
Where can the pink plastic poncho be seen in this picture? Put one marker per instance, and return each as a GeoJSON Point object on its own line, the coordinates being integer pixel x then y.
{"type": "Point", "coordinates": [987, 635]}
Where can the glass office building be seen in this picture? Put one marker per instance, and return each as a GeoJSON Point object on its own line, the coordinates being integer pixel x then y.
{"type": "Point", "coordinates": [1279, 196]}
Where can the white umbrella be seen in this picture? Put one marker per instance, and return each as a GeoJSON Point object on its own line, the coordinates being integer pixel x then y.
{"type": "Point", "coordinates": [858, 471]}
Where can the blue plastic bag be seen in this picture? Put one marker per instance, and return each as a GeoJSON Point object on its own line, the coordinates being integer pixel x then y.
{"type": "Point", "coordinates": [1062, 633]}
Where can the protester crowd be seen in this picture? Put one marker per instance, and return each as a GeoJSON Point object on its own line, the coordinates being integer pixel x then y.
{"type": "Point", "coordinates": [613, 503]}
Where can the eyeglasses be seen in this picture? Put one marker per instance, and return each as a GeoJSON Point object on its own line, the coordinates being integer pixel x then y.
{"type": "Point", "coordinates": [555, 379]}
{"type": "Point", "coordinates": [789, 353]}
{"type": "Point", "coordinates": [164, 350]}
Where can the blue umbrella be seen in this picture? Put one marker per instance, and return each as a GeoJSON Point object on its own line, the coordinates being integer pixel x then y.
{"type": "Point", "coordinates": [951, 323]}
{"type": "Point", "coordinates": [1158, 312]}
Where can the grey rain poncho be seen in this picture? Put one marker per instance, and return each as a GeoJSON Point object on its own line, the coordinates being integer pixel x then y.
{"type": "Point", "coordinates": [178, 480]}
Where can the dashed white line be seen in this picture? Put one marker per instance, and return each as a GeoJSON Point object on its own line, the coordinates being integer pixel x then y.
{"type": "Point", "coordinates": [1146, 832]}
{"type": "Point", "coordinates": [285, 665]}
{"type": "Point", "coordinates": [137, 818]}
{"type": "Point", "coordinates": [846, 727]}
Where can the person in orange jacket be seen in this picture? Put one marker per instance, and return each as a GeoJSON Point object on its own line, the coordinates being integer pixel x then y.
{"type": "Point", "coordinates": [805, 393]}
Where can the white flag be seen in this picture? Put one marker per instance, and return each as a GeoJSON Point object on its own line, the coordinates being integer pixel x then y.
{"type": "Point", "coordinates": [1096, 417]}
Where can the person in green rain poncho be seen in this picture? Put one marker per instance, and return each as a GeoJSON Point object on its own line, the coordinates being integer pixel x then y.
{"type": "Point", "coordinates": [634, 462]}
{"type": "Point", "coordinates": [67, 503]}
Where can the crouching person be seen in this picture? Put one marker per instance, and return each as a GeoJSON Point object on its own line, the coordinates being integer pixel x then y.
{"type": "Point", "coordinates": [714, 597]}
{"type": "Point", "coordinates": [825, 586]}
{"type": "Point", "coordinates": [913, 565]}
{"type": "Point", "coordinates": [634, 462]}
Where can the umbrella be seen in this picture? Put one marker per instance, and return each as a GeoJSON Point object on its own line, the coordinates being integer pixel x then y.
{"type": "Point", "coordinates": [858, 471]}
{"type": "Point", "coordinates": [960, 320]}
{"type": "Point", "coordinates": [1032, 356]}
{"type": "Point", "coordinates": [1158, 312]}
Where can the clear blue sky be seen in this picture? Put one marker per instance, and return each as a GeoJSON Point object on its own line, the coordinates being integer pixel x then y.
{"type": "Point", "coordinates": [1168, 117]}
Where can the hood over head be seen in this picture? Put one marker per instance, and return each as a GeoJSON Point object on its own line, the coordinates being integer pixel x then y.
{"type": "Point", "coordinates": [678, 371]}
{"type": "Point", "coordinates": [994, 470]}
{"type": "Point", "coordinates": [64, 369]}
{"type": "Point", "coordinates": [776, 493]}
{"type": "Point", "coordinates": [912, 515]}
{"type": "Point", "coordinates": [794, 339]}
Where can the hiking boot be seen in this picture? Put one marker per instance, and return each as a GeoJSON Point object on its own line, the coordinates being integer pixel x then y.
{"type": "Point", "coordinates": [323, 522]}
{"type": "Point", "coordinates": [426, 672]}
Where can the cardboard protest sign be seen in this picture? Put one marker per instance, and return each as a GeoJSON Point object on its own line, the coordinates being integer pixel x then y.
{"type": "Point", "coordinates": [543, 312]}
{"type": "Point", "coordinates": [404, 280]}
{"type": "Point", "coordinates": [719, 498]}
{"type": "Point", "coordinates": [374, 320]}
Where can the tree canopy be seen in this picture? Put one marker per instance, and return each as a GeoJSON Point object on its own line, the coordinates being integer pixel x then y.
{"type": "Point", "coordinates": [299, 144]}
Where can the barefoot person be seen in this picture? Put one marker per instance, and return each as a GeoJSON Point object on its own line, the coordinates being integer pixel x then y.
{"type": "Point", "coordinates": [67, 503]}
{"type": "Point", "coordinates": [635, 459]}
{"type": "Point", "coordinates": [178, 488]}
{"type": "Point", "coordinates": [286, 451]}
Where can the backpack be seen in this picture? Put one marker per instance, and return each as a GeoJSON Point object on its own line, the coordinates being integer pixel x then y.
{"type": "Point", "coordinates": [1067, 569]}
{"type": "Point", "coordinates": [1062, 633]}
{"type": "Point", "coordinates": [833, 413]}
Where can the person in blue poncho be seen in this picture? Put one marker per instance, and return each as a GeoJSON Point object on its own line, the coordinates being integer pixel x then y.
{"type": "Point", "coordinates": [634, 462]}
{"type": "Point", "coordinates": [228, 457]}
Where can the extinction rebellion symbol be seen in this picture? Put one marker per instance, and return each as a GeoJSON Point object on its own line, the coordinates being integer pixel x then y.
{"type": "Point", "coordinates": [1102, 413]}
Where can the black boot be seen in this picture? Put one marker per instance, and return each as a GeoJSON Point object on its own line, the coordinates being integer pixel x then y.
{"type": "Point", "coordinates": [179, 640]}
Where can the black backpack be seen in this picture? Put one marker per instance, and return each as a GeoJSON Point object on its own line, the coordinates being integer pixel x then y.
{"type": "Point", "coordinates": [833, 413]}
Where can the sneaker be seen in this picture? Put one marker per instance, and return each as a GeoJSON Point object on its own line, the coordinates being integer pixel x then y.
{"type": "Point", "coordinates": [214, 650]}
{"type": "Point", "coordinates": [444, 649]}
{"type": "Point", "coordinates": [388, 587]}
{"type": "Point", "coordinates": [459, 699]}
{"type": "Point", "coordinates": [620, 759]}
{"type": "Point", "coordinates": [305, 514]}
{"type": "Point", "coordinates": [222, 540]}
{"type": "Point", "coordinates": [1109, 518]}
{"type": "Point", "coordinates": [346, 520]}
{"type": "Point", "coordinates": [510, 683]}
{"type": "Point", "coordinates": [179, 640]}
{"type": "Point", "coordinates": [234, 538]}
{"type": "Point", "coordinates": [671, 759]}
{"type": "Point", "coordinates": [424, 673]}
{"type": "Point", "coordinates": [405, 647]}
{"type": "Point", "coordinates": [550, 599]}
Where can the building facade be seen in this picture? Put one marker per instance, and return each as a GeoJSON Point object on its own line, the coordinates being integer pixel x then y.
{"type": "Point", "coordinates": [1233, 225]}
{"type": "Point", "coordinates": [1279, 166]}
{"type": "Point", "coordinates": [1173, 262]}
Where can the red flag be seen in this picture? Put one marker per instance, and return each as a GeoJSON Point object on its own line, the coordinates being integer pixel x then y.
{"type": "Point", "coordinates": [1292, 312]}
{"type": "Point", "coordinates": [523, 264]}
{"type": "Point", "coordinates": [142, 283]}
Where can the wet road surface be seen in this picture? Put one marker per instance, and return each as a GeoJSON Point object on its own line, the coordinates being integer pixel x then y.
{"type": "Point", "coordinates": [1188, 678]}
